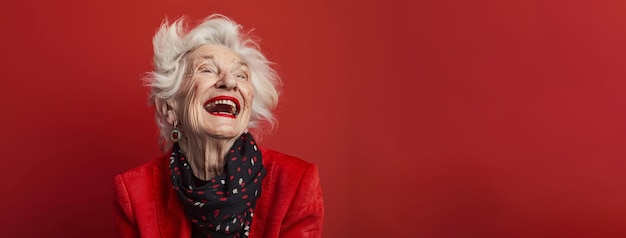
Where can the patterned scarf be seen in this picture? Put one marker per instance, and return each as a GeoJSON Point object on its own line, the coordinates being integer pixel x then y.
{"type": "Point", "coordinates": [224, 206]}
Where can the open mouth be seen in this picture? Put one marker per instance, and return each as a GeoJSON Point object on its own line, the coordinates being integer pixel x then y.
{"type": "Point", "coordinates": [222, 106]}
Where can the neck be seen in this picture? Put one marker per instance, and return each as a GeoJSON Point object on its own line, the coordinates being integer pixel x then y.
{"type": "Point", "coordinates": [206, 154]}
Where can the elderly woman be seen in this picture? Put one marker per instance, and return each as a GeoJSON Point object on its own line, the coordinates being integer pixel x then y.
{"type": "Point", "coordinates": [210, 85]}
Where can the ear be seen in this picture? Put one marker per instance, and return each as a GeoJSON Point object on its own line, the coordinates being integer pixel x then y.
{"type": "Point", "coordinates": [167, 109]}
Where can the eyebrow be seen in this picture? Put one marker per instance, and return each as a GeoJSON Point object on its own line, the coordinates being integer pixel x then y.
{"type": "Point", "coordinates": [212, 58]}
{"type": "Point", "coordinates": [205, 57]}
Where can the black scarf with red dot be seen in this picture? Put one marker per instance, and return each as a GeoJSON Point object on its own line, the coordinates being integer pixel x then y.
{"type": "Point", "coordinates": [224, 205]}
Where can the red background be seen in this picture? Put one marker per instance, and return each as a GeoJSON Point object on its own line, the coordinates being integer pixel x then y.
{"type": "Point", "coordinates": [435, 118]}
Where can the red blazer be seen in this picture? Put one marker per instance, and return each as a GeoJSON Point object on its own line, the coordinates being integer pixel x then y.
{"type": "Point", "coordinates": [290, 205]}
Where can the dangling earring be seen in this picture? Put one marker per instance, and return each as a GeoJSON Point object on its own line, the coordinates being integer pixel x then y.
{"type": "Point", "coordinates": [175, 135]}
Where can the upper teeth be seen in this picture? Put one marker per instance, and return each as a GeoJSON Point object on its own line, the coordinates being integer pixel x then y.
{"type": "Point", "coordinates": [224, 101]}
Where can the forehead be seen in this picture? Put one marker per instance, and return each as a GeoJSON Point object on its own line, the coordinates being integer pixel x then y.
{"type": "Point", "coordinates": [215, 52]}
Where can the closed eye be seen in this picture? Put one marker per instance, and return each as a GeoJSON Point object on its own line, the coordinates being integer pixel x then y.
{"type": "Point", "coordinates": [241, 76]}
{"type": "Point", "coordinates": [206, 70]}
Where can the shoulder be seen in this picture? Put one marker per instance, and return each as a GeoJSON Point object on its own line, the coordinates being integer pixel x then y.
{"type": "Point", "coordinates": [141, 171]}
{"type": "Point", "coordinates": [140, 178]}
{"type": "Point", "coordinates": [287, 171]}
{"type": "Point", "coordinates": [291, 197]}
{"type": "Point", "coordinates": [278, 158]}
{"type": "Point", "coordinates": [284, 164]}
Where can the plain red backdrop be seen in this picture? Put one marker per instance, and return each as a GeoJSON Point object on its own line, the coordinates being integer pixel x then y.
{"type": "Point", "coordinates": [434, 118]}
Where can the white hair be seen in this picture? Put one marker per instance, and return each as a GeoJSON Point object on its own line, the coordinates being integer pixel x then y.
{"type": "Point", "coordinates": [172, 42]}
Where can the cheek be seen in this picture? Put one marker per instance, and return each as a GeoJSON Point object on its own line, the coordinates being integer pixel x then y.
{"type": "Point", "coordinates": [250, 95]}
{"type": "Point", "coordinates": [200, 84]}
{"type": "Point", "coordinates": [195, 90]}
{"type": "Point", "coordinates": [247, 93]}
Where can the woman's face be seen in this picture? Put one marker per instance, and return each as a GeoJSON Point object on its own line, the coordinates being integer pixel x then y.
{"type": "Point", "coordinates": [217, 95]}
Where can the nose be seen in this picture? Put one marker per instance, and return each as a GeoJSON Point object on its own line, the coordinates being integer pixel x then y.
{"type": "Point", "coordinates": [227, 82]}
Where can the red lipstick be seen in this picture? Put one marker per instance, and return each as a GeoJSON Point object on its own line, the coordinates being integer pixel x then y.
{"type": "Point", "coordinates": [225, 106]}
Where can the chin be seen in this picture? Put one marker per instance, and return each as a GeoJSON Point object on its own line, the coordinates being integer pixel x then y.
{"type": "Point", "coordinates": [224, 128]}
{"type": "Point", "coordinates": [224, 133]}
